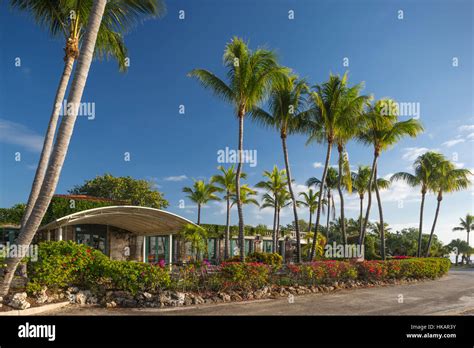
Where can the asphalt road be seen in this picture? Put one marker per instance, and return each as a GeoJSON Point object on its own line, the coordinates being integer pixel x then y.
{"type": "Point", "coordinates": [450, 295]}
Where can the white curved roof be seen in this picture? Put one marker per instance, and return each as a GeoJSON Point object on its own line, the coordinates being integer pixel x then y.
{"type": "Point", "coordinates": [139, 220]}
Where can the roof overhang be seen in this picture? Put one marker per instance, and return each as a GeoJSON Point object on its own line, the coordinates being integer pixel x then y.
{"type": "Point", "coordinates": [142, 221]}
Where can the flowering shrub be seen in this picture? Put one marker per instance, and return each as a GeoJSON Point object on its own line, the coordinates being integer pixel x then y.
{"type": "Point", "coordinates": [242, 276]}
{"type": "Point", "coordinates": [403, 268]}
{"type": "Point", "coordinates": [272, 259]}
{"type": "Point", "coordinates": [321, 272]}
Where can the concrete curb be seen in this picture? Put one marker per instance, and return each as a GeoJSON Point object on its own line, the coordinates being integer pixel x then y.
{"type": "Point", "coordinates": [35, 310]}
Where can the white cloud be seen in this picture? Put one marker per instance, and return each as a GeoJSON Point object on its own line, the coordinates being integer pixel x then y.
{"type": "Point", "coordinates": [318, 165]}
{"type": "Point", "coordinates": [411, 153]}
{"type": "Point", "coordinates": [176, 178]}
{"type": "Point", "coordinates": [470, 136]}
{"type": "Point", "coordinates": [17, 134]}
{"type": "Point", "coordinates": [451, 143]}
{"type": "Point", "coordinates": [469, 127]}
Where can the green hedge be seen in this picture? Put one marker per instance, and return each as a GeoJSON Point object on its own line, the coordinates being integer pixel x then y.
{"type": "Point", "coordinates": [63, 264]}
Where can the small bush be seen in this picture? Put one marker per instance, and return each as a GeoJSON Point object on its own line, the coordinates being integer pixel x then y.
{"type": "Point", "coordinates": [241, 276]}
{"type": "Point", "coordinates": [272, 259]}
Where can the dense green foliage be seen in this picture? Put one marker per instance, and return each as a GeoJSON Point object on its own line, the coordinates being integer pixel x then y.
{"type": "Point", "coordinates": [12, 215]}
{"type": "Point", "coordinates": [62, 264]}
{"type": "Point", "coordinates": [124, 188]}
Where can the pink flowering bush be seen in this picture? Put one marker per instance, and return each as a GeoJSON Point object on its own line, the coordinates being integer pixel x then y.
{"type": "Point", "coordinates": [322, 272]}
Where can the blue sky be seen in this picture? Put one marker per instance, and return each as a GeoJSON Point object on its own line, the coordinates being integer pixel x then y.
{"type": "Point", "coordinates": [409, 59]}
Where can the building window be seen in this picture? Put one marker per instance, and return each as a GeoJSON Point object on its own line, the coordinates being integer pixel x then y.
{"type": "Point", "coordinates": [267, 246]}
{"type": "Point", "coordinates": [157, 249]}
{"type": "Point", "coordinates": [94, 236]}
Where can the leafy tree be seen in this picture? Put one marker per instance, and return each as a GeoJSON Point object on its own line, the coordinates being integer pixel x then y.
{"type": "Point", "coordinates": [201, 193]}
{"type": "Point", "coordinates": [460, 247]}
{"type": "Point", "coordinates": [251, 75]}
{"type": "Point", "coordinates": [123, 188]}
{"type": "Point", "coordinates": [12, 215]}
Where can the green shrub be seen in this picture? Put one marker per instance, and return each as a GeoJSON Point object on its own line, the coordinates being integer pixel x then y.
{"type": "Point", "coordinates": [241, 276]}
{"type": "Point", "coordinates": [272, 259]}
{"type": "Point", "coordinates": [63, 264]}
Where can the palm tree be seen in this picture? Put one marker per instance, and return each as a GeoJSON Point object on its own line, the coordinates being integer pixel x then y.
{"type": "Point", "coordinates": [58, 154]}
{"type": "Point", "coordinates": [286, 115]}
{"type": "Point", "coordinates": [226, 181]}
{"type": "Point", "coordinates": [330, 112]}
{"type": "Point", "coordinates": [281, 200]}
{"type": "Point", "coordinates": [347, 127]}
{"type": "Point", "coordinates": [360, 183]}
{"type": "Point", "coordinates": [459, 247]}
{"type": "Point", "coordinates": [68, 19]}
{"type": "Point", "coordinates": [310, 200]}
{"type": "Point", "coordinates": [382, 130]}
{"type": "Point", "coordinates": [448, 179]}
{"type": "Point", "coordinates": [466, 224]}
{"type": "Point", "coordinates": [251, 75]}
{"type": "Point", "coordinates": [274, 185]}
{"type": "Point", "coordinates": [196, 236]}
{"type": "Point", "coordinates": [201, 193]}
{"type": "Point", "coordinates": [425, 167]}
{"type": "Point", "coordinates": [332, 180]}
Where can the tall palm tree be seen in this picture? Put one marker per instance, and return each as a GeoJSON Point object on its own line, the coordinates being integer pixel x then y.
{"type": "Point", "coordinates": [330, 112]}
{"type": "Point", "coordinates": [276, 183]}
{"type": "Point", "coordinates": [382, 130]}
{"type": "Point", "coordinates": [201, 193]}
{"type": "Point", "coordinates": [58, 155]}
{"type": "Point", "coordinates": [310, 200]}
{"type": "Point", "coordinates": [226, 181]}
{"type": "Point", "coordinates": [360, 182]}
{"type": "Point", "coordinates": [425, 167]}
{"type": "Point", "coordinates": [68, 19]}
{"type": "Point", "coordinates": [332, 180]}
{"type": "Point", "coordinates": [448, 179]}
{"type": "Point", "coordinates": [286, 114]}
{"type": "Point", "coordinates": [347, 127]}
{"type": "Point", "coordinates": [251, 75]}
{"type": "Point", "coordinates": [466, 224]}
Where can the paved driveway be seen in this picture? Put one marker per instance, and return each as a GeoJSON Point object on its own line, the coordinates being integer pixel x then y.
{"type": "Point", "coordinates": [452, 294]}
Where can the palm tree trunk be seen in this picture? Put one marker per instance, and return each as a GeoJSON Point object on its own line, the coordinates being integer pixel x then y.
{"type": "Point", "coordinates": [49, 138]}
{"type": "Point", "coordinates": [237, 185]}
{"type": "Point", "coordinates": [310, 220]}
{"type": "Point", "coordinates": [277, 231]}
{"type": "Point", "coordinates": [361, 212]}
{"type": "Point", "coordinates": [439, 199]}
{"type": "Point", "coordinates": [274, 234]}
{"type": "Point", "coordinates": [369, 201]}
{"type": "Point", "coordinates": [293, 200]}
{"type": "Point", "coordinates": [199, 214]}
{"type": "Point", "coordinates": [59, 151]}
{"type": "Point", "coordinates": [382, 229]}
{"type": "Point", "coordinates": [318, 212]}
{"type": "Point", "coordinates": [227, 228]}
{"type": "Point", "coordinates": [420, 228]}
{"type": "Point", "coordinates": [341, 196]}
{"type": "Point", "coordinates": [329, 215]}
